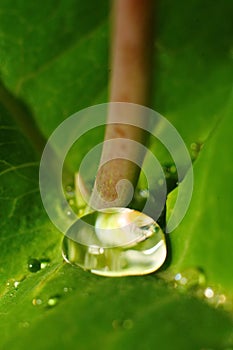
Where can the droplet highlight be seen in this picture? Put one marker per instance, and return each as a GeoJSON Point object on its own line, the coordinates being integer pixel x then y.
{"type": "Point", "coordinates": [115, 242]}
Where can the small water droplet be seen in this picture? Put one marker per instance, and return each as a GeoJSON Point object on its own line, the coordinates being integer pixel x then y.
{"type": "Point", "coordinates": [144, 193]}
{"type": "Point", "coordinates": [195, 149]}
{"type": "Point", "coordinates": [53, 300]}
{"type": "Point", "coordinates": [209, 293]}
{"type": "Point", "coordinates": [34, 265]}
{"type": "Point", "coordinates": [221, 299]}
{"type": "Point", "coordinates": [117, 242]}
{"type": "Point", "coordinates": [36, 301]}
{"type": "Point", "coordinates": [194, 146]}
{"type": "Point", "coordinates": [173, 169]}
{"type": "Point", "coordinates": [128, 324]}
{"type": "Point", "coordinates": [16, 284]}
{"type": "Point", "coordinates": [178, 277]}
{"type": "Point", "coordinates": [24, 324]}
{"type": "Point", "coordinates": [69, 191]}
{"type": "Point", "coordinates": [71, 202]}
{"type": "Point", "coordinates": [190, 278]}
{"type": "Point", "coordinates": [44, 263]}
{"type": "Point", "coordinates": [68, 212]}
{"type": "Point", "coordinates": [160, 182]}
{"type": "Point", "coordinates": [183, 281]}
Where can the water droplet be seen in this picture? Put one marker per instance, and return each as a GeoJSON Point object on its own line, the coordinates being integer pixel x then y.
{"type": "Point", "coordinates": [178, 277]}
{"type": "Point", "coordinates": [71, 202]}
{"type": "Point", "coordinates": [34, 265]}
{"type": "Point", "coordinates": [128, 324]}
{"type": "Point", "coordinates": [24, 324]}
{"type": "Point", "coordinates": [68, 212]}
{"type": "Point", "coordinates": [161, 182]}
{"type": "Point", "coordinates": [190, 278]}
{"type": "Point", "coordinates": [117, 242]}
{"type": "Point", "coordinates": [144, 193]}
{"type": "Point", "coordinates": [221, 299]}
{"type": "Point", "coordinates": [208, 293]}
{"type": "Point", "coordinates": [16, 284]}
{"type": "Point", "coordinates": [173, 169]}
{"type": "Point", "coordinates": [44, 263]}
{"type": "Point", "coordinates": [53, 300]}
{"type": "Point", "coordinates": [36, 301]}
{"type": "Point", "coordinates": [69, 192]}
{"type": "Point", "coordinates": [195, 149]}
{"type": "Point", "coordinates": [195, 146]}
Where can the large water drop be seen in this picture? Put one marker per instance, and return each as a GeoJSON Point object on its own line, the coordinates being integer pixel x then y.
{"type": "Point", "coordinates": [115, 242]}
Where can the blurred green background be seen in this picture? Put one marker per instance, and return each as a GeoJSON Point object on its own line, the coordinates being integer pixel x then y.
{"type": "Point", "coordinates": [54, 62]}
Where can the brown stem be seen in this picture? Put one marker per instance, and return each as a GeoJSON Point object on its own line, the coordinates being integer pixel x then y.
{"type": "Point", "coordinates": [132, 47]}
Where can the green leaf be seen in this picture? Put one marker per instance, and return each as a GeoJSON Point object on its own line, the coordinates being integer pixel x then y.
{"type": "Point", "coordinates": [204, 238]}
{"type": "Point", "coordinates": [54, 61]}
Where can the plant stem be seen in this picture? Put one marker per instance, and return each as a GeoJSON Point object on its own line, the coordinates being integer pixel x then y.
{"type": "Point", "coordinates": [131, 61]}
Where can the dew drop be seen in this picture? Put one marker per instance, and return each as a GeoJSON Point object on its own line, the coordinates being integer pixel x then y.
{"type": "Point", "coordinates": [53, 300]}
{"type": "Point", "coordinates": [160, 182]}
{"type": "Point", "coordinates": [173, 169]}
{"type": "Point", "coordinates": [178, 277]}
{"type": "Point", "coordinates": [195, 146]}
{"type": "Point", "coordinates": [69, 191]}
{"type": "Point", "coordinates": [209, 293]}
{"type": "Point", "coordinates": [195, 149]}
{"type": "Point", "coordinates": [190, 278]}
{"type": "Point", "coordinates": [71, 202]}
{"type": "Point", "coordinates": [128, 324]}
{"type": "Point", "coordinates": [117, 242]}
{"type": "Point", "coordinates": [24, 324]}
{"type": "Point", "coordinates": [44, 263]}
{"type": "Point", "coordinates": [36, 301]}
{"type": "Point", "coordinates": [221, 299]}
{"type": "Point", "coordinates": [34, 265]}
{"type": "Point", "coordinates": [144, 193]}
{"type": "Point", "coordinates": [16, 284]}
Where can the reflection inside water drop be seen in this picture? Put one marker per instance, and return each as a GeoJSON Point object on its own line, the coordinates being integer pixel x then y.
{"type": "Point", "coordinates": [115, 242]}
